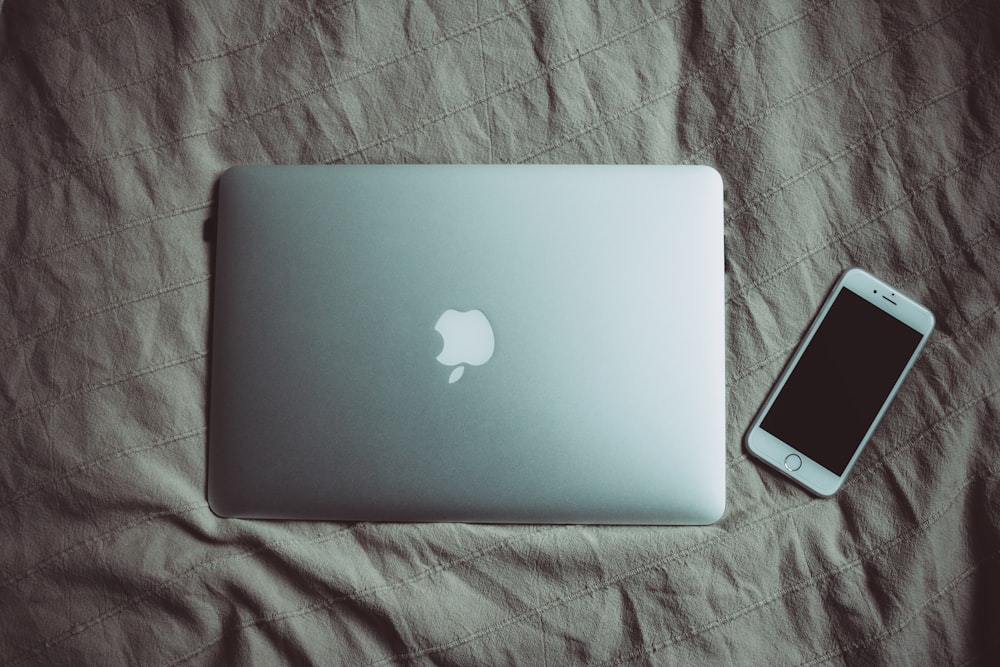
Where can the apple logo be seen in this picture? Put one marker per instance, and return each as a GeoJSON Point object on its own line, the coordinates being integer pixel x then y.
{"type": "Point", "coordinates": [468, 339]}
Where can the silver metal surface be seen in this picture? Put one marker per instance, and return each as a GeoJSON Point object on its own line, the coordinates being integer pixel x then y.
{"type": "Point", "coordinates": [603, 401]}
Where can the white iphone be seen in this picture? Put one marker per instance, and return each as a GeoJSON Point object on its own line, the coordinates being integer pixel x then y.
{"type": "Point", "coordinates": [827, 403]}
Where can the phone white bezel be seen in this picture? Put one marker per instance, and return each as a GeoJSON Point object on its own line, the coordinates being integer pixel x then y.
{"type": "Point", "coordinates": [775, 452]}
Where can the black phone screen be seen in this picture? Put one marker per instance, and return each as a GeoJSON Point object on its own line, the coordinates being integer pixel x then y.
{"type": "Point", "coordinates": [841, 381]}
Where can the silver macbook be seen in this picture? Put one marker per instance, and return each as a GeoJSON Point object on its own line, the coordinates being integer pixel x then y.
{"type": "Point", "coordinates": [532, 343]}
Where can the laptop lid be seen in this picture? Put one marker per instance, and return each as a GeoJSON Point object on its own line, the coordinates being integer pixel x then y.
{"type": "Point", "coordinates": [484, 343]}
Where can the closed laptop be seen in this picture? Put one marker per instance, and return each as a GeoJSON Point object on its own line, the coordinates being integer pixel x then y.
{"type": "Point", "coordinates": [483, 343]}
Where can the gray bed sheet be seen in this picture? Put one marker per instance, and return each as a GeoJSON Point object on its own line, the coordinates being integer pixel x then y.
{"type": "Point", "coordinates": [848, 133]}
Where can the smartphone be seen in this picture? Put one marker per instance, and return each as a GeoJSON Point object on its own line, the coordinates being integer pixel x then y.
{"type": "Point", "coordinates": [831, 396]}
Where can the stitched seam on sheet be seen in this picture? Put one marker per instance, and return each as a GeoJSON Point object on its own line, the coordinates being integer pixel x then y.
{"type": "Point", "coordinates": [156, 589]}
{"type": "Point", "coordinates": [36, 46]}
{"type": "Point", "coordinates": [853, 147]}
{"type": "Point", "coordinates": [720, 58]}
{"type": "Point", "coordinates": [44, 563]}
{"type": "Point", "coordinates": [545, 70]}
{"type": "Point", "coordinates": [644, 102]}
{"type": "Point", "coordinates": [114, 305]}
{"type": "Point", "coordinates": [92, 161]}
{"type": "Point", "coordinates": [956, 252]}
{"type": "Point", "coordinates": [902, 446]}
{"type": "Point", "coordinates": [906, 620]}
{"type": "Point", "coordinates": [76, 629]}
{"type": "Point", "coordinates": [373, 590]}
{"type": "Point", "coordinates": [159, 588]}
{"type": "Point", "coordinates": [103, 384]}
{"type": "Point", "coordinates": [43, 424]}
{"type": "Point", "coordinates": [552, 67]}
{"type": "Point", "coordinates": [68, 100]}
{"type": "Point", "coordinates": [941, 175]}
{"type": "Point", "coordinates": [318, 39]}
{"type": "Point", "coordinates": [293, 27]}
{"type": "Point", "coordinates": [868, 555]}
{"type": "Point", "coordinates": [443, 39]}
{"type": "Point", "coordinates": [904, 537]}
{"type": "Point", "coordinates": [49, 443]}
{"type": "Point", "coordinates": [679, 553]}
{"type": "Point", "coordinates": [978, 319]}
{"type": "Point", "coordinates": [486, 110]}
{"type": "Point", "coordinates": [788, 591]}
{"type": "Point", "coordinates": [941, 261]}
{"type": "Point", "coordinates": [122, 454]}
{"type": "Point", "coordinates": [845, 71]}
{"type": "Point", "coordinates": [104, 233]}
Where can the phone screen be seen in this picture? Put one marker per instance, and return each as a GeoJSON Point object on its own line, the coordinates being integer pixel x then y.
{"type": "Point", "coordinates": [841, 381]}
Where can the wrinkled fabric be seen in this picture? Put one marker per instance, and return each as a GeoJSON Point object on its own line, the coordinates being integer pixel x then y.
{"type": "Point", "coordinates": [847, 133]}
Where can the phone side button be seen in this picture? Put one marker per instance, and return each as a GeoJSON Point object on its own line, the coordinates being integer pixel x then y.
{"type": "Point", "coordinates": [793, 462]}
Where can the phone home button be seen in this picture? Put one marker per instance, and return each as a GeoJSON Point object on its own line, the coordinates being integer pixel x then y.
{"type": "Point", "coordinates": [793, 462]}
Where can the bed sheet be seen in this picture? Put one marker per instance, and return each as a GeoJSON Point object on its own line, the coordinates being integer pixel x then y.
{"type": "Point", "coordinates": [847, 132]}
